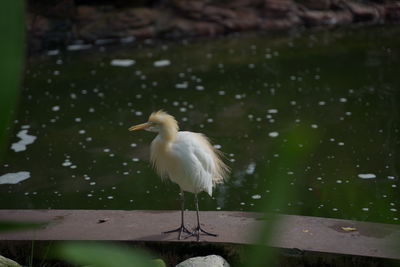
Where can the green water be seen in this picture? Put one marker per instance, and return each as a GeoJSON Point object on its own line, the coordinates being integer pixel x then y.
{"type": "Point", "coordinates": [339, 89]}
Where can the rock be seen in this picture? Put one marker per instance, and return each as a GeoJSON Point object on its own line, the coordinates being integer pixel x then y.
{"type": "Point", "coordinates": [207, 261]}
{"type": "Point", "coordinates": [88, 13]}
{"type": "Point", "coordinates": [207, 28]}
{"type": "Point", "coordinates": [278, 9]}
{"type": "Point", "coordinates": [317, 4]}
{"type": "Point", "coordinates": [37, 25]}
{"type": "Point", "coordinates": [314, 18]}
{"type": "Point", "coordinates": [4, 262]}
{"type": "Point", "coordinates": [280, 24]}
{"type": "Point", "coordinates": [64, 9]}
{"type": "Point", "coordinates": [244, 19]}
{"type": "Point", "coordinates": [189, 6]}
{"type": "Point", "coordinates": [94, 23]}
{"type": "Point", "coordinates": [245, 3]}
{"type": "Point", "coordinates": [186, 27]}
{"type": "Point", "coordinates": [362, 12]}
{"type": "Point", "coordinates": [392, 12]}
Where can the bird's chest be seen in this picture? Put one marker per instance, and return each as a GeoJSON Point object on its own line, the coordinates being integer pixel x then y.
{"type": "Point", "coordinates": [163, 158]}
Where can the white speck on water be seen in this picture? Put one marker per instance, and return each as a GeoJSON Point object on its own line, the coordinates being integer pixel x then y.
{"type": "Point", "coordinates": [321, 103]}
{"type": "Point", "coordinates": [365, 209]}
{"type": "Point", "coordinates": [221, 92]}
{"type": "Point", "coordinates": [73, 96]}
{"type": "Point", "coordinates": [340, 144]}
{"type": "Point", "coordinates": [55, 108]}
{"type": "Point", "coordinates": [67, 163]}
{"type": "Point", "coordinates": [272, 111]}
{"type": "Point", "coordinates": [14, 178]}
{"type": "Point", "coordinates": [314, 126]}
{"type": "Point", "coordinates": [92, 183]}
{"type": "Point", "coordinates": [217, 146]}
{"type": "Point", "coordinates": [339, 181]}
{"type": "Point", "coordinates": [135, 159]}
{"type": "Point", "coordinates": [110, 197]}
{"type": "Point", "coordinates": [53, 52]}
{"type": "Point", "coordinates": [122, 62]}
{"type": "Point", "coordinates": [133, 145]}
{"type": "Point", "coordinates": [200, 88]}
{"type": "Point", "coordinates": [394, 185]}
{"type": "Point", "coordinates": [76, 47]}
{"type": "Point", "coordinates": [26, 139]}
{"type": "Point", "coordinates": [91, 110]}
{"type": "Point", "coordinates": [255, 196]}
{"type": "Point", "coordinates": [162, 63]}
{"type": "Point", "coordinates": [106, 150]}
{"type": "Point", "coordinates": [78, 119]}
{"type": "Point", "coordinates": [343, 100]}
{"type": "Point", "coordinates": [273, 134]}
{"type": "Point", "coordinates": [366, 176]}
{"type": "Point", "coordinates": [82, 131]}
{"type": "Point", "coordinates": [251, 168]}
{"type": "Point", "coordinates": [391, 177]}
{"type": "Point", "coordinates": [182, 85]}
{"type": "Point", "coordinates": [128, 39]}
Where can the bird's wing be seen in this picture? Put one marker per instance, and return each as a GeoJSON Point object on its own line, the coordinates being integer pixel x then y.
{"type": "Point", "coordinates": [196, 159]}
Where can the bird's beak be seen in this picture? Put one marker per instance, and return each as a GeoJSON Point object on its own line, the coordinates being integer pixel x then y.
{"type": "Point", "coordinates": [139, 126]}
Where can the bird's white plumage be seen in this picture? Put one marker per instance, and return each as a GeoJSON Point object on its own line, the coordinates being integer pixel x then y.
{"type": "Point", "coordinates": [186, 161]}
{"type": "Point", "coordinates": [186, 158]}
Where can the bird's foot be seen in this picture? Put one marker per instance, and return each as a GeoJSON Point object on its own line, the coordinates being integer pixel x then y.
{"type": "Point", "coordinates": [199, 230]}
{"type": "Point", "coordinates": [181, 229]}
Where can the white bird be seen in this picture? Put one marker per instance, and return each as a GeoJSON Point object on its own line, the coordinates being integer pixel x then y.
{"type": "Point", "coordinates": [186, 158]}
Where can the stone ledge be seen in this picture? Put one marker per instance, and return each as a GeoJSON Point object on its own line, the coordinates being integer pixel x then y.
{"type": "Point", "coordinates": [303, 233]}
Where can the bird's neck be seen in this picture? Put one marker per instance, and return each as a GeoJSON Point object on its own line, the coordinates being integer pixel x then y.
{"type": "Point", "coordinates": [168, 135]}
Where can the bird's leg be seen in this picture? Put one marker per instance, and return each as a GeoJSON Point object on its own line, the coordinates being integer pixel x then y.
{"type": "Point", "coordinates": [198, 229]}
{"type": "Point", "coordinates": [182, 228]}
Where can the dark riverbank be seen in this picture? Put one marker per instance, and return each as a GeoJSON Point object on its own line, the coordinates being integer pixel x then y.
{"type": "Point", "coordinates": [52, 25]}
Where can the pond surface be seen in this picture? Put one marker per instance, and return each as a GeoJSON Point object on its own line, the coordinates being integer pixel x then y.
{"type": "Point", "coordinates": [332, 94]}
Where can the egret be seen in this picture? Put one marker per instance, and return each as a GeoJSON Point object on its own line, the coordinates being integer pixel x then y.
{"type": "Point", "coordinates": [187, 159]}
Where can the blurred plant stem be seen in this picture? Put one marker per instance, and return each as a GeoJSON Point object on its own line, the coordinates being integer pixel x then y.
{"type": "Point", "coordinates": [12, 29]}
{"type": "Point", "coordinates": [292, 155]}
{"type": "Point", "coordinates": [103, 254]}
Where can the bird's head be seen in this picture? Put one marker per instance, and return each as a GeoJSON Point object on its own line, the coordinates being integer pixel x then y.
{"type": "Point", "coordinates": [158, 121]}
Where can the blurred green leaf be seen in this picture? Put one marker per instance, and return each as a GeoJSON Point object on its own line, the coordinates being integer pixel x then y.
{"type": "Point", "coordinates": [5, 262]}
{"type": "Point", "coordinates": [12, 226]}
{"type": "Point", "coordinates": [12, 28]}
{"type": "Point", "coordinates": [159, 263]}
{"type": "Point", "coordinates": [292, 155]}
{"type": "Point", "coordinates": [104, 255]}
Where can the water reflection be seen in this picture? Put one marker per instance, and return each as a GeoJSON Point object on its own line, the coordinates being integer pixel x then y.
{"type": "Point", "coordinates": [246, 92]}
